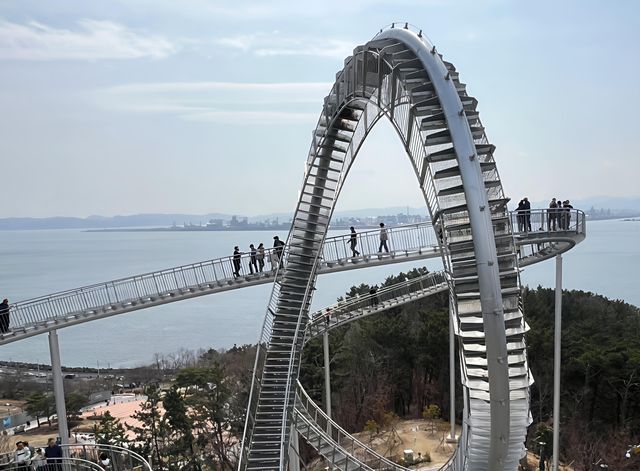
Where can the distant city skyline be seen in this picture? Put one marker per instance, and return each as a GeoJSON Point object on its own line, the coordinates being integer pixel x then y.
{"type": "Point", "coordinates": [141, 106]}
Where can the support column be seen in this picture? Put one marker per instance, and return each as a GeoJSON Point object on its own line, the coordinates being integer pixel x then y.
{"type": "Point", "coordinates": [294, 450]}
{"type": "Point", "coordinates": [58, 388]}
{"type": "Point", "coordinates": [556, 363]}
{"type": "Point", "coordinates": [327, 378]}
{"type": "Point", "coordinates": [452, 377]}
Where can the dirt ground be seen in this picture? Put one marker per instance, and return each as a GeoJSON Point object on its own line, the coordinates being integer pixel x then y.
{"type": "Point", "coordinates": [418, 435]}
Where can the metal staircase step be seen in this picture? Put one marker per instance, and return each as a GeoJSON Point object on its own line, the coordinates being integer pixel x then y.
{"type": "Point", "coordinates": [455, 170]}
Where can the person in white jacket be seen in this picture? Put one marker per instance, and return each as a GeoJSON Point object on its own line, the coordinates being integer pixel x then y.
{"type": "Point", "coordinates": [22, 456]}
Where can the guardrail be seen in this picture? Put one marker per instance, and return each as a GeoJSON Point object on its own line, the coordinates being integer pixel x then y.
{"type": "Point", "coordinates": [344, 311]}
{"type": "Point", "coordinates": [60, 464]}
{"type": "Point", "coordinates": [186, 278]}
{"type": "Point", "coordinates": [332, 433]}
{"type": "Point", "coordinates": [167, 284]}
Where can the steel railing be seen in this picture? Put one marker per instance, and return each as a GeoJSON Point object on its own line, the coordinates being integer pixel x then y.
{"type": "Point", "coordinates": [553, 231]}
{"type": "Point", "coordinates": [120, 458]}
{"type": "Point", "coordinates": [339, 438]}
{"type": "Point", "coordinates": [376, 300]}
{"type": "Point", "coordinates": [78, 456]}
{"type": "Point", "coordinates": [188, 278]}
{"type": "Point", "coordinates": [59, 464]}
{"type": "Point", "coordinates": [170, 284]}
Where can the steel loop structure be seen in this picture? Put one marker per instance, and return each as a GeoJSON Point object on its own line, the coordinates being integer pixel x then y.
{"type": "Point", "coordinates": [398, 75]}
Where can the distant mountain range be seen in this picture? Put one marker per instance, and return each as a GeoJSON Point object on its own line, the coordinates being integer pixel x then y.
{"type": "Point", "coordinates": [618, 207]}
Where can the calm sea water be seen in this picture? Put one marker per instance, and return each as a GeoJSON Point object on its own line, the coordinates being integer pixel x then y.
{"type": "Point", "coordinates": [35, 263]}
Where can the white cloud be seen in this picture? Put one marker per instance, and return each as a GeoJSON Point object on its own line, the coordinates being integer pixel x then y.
{"type": "Point", "coordinates": [220, 101]}
{"type": "Point", "coordinates": [277, 44]}
{"type": "Point", "coordinates": [92, 41]}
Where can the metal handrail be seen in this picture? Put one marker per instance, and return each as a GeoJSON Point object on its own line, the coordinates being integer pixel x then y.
{"type": "Point", "coordinates": [133, 291]}
{"type": "Point", "coordinates": [117, 454]}
{"type": "Point", "coordinates": [67, 464]}
{"type": "Point", "coordinates": [165, 283]}
{"type": "Point", "coordinates": [347, 309]}
{"type": "Point", "coordinates": [336, 435]}
{"type": "Point", "coordinates": [90, 452]}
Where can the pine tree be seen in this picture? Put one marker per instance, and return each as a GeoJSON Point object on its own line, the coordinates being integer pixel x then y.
{"type": "Point", "coordinates": [152, 435]}
{"type": "Point", "coordinates": [110, 431]}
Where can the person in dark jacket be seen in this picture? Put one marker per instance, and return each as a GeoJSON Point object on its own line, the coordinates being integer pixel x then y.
{"type": "Point", "coordinates": [237, 255]}
{"type": "Point", "coordinates": [521, 219]}
{"type": "Point", "coordinates": [566, 207]}
{"type": "Point", "coordinates": [53, 454]}
{"type": "Point", "coordinates": [353, 241]}
{"type": "Point", "coordinates": [4, 316]}
{"type": "Point", "coordinates": [278, 245]}
{"type": "Point", "coordinates": [552, 213]}
{"type": "Point", "coordinates": [527, 213]}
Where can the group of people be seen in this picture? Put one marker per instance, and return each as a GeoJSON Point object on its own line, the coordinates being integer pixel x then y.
{"type": "Point", "coordinates": [27, 458]}
{"type": "Point", "coordinates": [257, 257]}
{"type": "Point", "coordinates": [384, 238]}
{"type": "Point", "coordinates": [558, 215]}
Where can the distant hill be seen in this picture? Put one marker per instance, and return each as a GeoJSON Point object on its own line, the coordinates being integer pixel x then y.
{"type": "Point", "coordinates": [102, 222]}
{"type": "Point", "coordinates": [618, 207]}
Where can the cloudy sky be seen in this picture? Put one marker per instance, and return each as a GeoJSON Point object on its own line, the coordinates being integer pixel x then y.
{"type": "Point", "coordinates": [123, 107]}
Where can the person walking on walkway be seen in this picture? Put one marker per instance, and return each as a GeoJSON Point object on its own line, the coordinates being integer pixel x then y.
{"type": "Point", "coordinates": [384, 237]}
{"type": "Point", "coordinates": [552, 214]}
{"type": "Point", "coordinates": [253, 261]}
{"type": "Point", "coordinates": [53, 454]}
{"type": "Point", "coordinates": [260, 257]}
{"type": "Point", "coordinates": [22, 456]}
{"type": "Point", "coordinates": [327, 316]}
{"type": "Point", "coordinates": [4, 316]}
{"type": "Point", "coordinates": [237, 255]}
{"type": "Point", "coordinates": [278, 245]}
{"type": "Point", "coordinates": [38, 460]}
{"type": "Point", "coordinates": [273, 258]}
{"type": "Point", "coordinates": [353, 240]}
{"type": "Point", "coordinates": [527, 213]}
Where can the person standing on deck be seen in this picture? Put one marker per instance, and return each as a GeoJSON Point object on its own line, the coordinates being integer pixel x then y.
{"type": "Point", "coordinates": [527, 213]}
{"type": "Point", "coordinates": [520, 212]}
{"type": "Point", "coordinates": [552, 214]}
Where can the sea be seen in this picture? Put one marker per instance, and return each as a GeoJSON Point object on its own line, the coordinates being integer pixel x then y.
{"type": "Point", "coordinates": [38, 262]}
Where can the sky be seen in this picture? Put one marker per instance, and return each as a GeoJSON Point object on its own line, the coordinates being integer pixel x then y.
{"type": "Point", "coordinates": [145, 106]}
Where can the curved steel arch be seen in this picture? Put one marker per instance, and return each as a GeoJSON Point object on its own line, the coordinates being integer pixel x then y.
{"type": "Point", "coordinates": [399, 75]}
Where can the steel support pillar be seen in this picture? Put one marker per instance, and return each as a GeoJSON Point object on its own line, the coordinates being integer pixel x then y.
{"type": "Point", "coordinates": [294, 450]}
{"type": "Point", "coordinates": [327, 371]}
{"type": "Point", "coordinates": [556, 363]}
{"type": "Point", "coordinates": [452, 377]}
{"type": "Point", "coordinates": [58, 388]}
